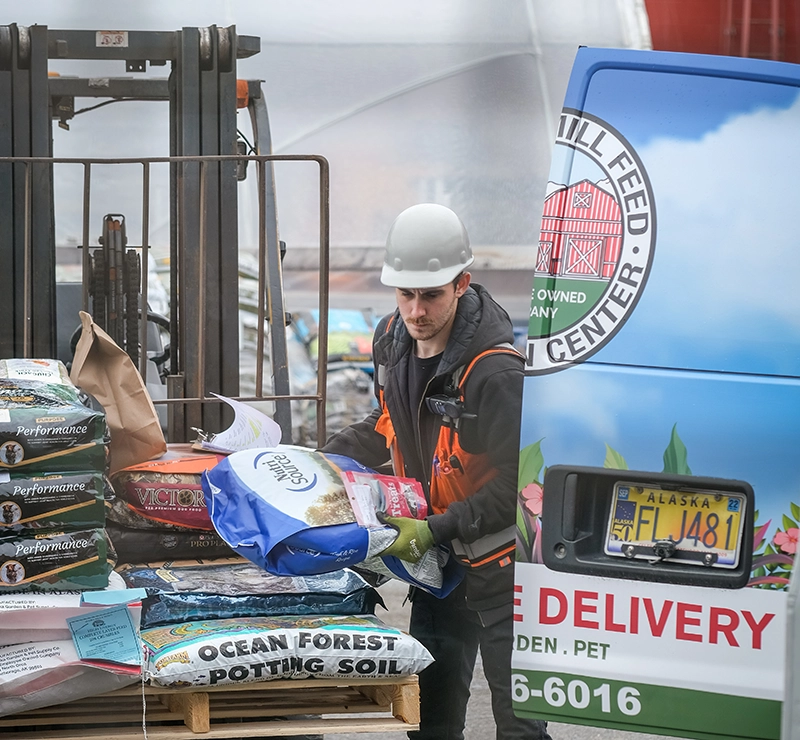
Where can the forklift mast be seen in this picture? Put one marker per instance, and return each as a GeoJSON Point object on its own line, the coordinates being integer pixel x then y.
{"type": "Point", "coordinates": [205, 158]}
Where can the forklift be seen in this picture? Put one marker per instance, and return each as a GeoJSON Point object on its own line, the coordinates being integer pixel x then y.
{"type": "Point", "coordinates": [208, 156]}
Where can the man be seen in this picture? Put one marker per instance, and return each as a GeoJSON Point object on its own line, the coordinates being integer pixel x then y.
{"type": "Point", "coordinates": [449, 389]}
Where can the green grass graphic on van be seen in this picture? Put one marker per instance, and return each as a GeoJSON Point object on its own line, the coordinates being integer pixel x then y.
{"type": "Point", "coordinates": [675, 457]}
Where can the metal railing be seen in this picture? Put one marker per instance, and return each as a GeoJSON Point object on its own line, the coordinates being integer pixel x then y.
{"type": "Point", "coordinates": [270, 283]}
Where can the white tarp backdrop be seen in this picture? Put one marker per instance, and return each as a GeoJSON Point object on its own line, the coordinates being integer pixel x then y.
{"type": "Point", "coordinates": [453, 101]}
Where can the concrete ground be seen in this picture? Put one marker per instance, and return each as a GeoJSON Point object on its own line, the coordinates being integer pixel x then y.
{"type": "Point", "coordinates": [480, 724]}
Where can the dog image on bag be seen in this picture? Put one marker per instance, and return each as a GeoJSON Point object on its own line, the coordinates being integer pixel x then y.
{"type": "Point", "coordinates": [11, 512]}
{"type": "Point", "coordinates": [13, 572]}
{"type": "Point", "coordinates": [12, 451]}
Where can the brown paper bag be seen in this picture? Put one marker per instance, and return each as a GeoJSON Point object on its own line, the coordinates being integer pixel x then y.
{"type": "Point", "coordinates": [103, 369]}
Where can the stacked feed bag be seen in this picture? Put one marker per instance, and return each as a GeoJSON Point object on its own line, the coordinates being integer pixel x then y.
{"type": "Point", "coordinates": [40, 665]}
{"type": "Point", "coordinates": [52, 481]}
{"type": "Point", "coordinates": [231, 588]}
{"type": "Point", "coordinates": [53, 544]}
{"type": "Point", "coordinates": [157, 511]}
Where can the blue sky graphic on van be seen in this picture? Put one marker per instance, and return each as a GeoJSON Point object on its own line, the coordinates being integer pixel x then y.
{"type": "Point", "coordinates": [713, 346]}
{"type": "Point", "coordinates": [702, 107]}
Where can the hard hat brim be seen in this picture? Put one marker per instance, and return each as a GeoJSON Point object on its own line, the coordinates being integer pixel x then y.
{"type": "Point", "coordinates": [422, 278]}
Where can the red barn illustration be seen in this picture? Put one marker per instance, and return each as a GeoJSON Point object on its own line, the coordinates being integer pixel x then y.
{"type": "Point", "coordinates": [581, 233]}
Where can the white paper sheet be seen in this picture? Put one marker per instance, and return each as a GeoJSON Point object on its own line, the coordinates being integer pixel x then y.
{"type": "Point", "coordinates": [250, 429]}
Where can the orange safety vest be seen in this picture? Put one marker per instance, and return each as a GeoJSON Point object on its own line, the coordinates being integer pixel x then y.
{"type": "Point", "coordinates": [456, 474]}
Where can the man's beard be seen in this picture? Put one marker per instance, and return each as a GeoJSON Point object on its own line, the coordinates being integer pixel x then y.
{"type": "Point", "coordinates": [421, 331]}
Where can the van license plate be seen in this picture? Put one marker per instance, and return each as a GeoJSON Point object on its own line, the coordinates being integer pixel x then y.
{"type": "Point", "coordinates": [678, 526]}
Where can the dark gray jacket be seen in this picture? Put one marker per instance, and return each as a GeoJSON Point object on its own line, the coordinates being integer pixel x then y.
{"type": "Point", "coordinates": [492, 391]}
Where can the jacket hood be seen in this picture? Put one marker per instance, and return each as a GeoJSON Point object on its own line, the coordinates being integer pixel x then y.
{"type": "Point", "coordinates": [480, 323]}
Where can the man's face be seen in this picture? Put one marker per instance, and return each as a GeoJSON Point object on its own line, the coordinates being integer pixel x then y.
{"type": "Point", "coordinates": [427, 312]}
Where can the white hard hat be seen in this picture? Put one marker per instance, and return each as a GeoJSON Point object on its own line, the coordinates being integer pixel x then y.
{"type": "Point", "coordinates": [427, 247]}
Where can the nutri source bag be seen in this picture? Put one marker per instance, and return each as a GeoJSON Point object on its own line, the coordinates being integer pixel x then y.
{"type": "Point", "coordinates": [45, 428]}
{"type": "Point", "coordinates": [232, 651]}
{"type": "Point", "coordinates": [295, 511]}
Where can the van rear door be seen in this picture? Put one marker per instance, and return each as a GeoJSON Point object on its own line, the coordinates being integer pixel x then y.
{"type": "Point", "coordinates": [663, 362]}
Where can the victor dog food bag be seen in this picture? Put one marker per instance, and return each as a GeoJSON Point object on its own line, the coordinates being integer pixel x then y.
{"type": "Point", "coordinates": [31, 502]}
{"type": "Point", "coordinates": [45, 428]}
{"type": "Point", "coordinates": [230, 651]}
{"type": "Point", "coordinates": [162, 494]}
{"type": "Point", "coordinates": [54, 561]}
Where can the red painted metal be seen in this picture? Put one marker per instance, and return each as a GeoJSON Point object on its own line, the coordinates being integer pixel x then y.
{"type": "Point", "coordinates": [764, 29]}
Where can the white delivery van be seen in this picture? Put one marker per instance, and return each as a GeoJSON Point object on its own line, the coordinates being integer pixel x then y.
{"type": "Point", "coordinates": [659, 483]}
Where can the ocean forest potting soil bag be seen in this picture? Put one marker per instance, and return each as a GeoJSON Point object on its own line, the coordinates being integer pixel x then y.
{"type": "Point", "coordinates": [232, 651]}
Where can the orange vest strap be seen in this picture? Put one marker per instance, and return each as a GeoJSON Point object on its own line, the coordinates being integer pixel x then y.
{"type": "Point", "coordinates": [385, 427]}
{"type": "Point", "coordinates": [506, 350]}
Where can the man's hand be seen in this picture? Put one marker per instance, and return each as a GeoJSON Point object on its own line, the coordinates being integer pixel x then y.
{"type": "Point", "coordinates": [413, 541]}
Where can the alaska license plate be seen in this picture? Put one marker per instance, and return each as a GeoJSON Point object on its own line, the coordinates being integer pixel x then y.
{"type": "Point", "coordinates": [700, 527]}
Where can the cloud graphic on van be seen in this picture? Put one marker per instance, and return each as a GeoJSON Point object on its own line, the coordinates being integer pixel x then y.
{"type": "Point", "coordinates": [589, 398]}
{"type": "Point", "coordinates": [724, 237]}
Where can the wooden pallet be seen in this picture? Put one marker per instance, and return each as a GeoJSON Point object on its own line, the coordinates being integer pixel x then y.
{"type": "Point", "coordinates": [253, 710]}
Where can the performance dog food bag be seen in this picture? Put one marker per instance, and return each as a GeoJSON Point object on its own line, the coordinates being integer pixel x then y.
{"type": "Point", "coordinates": [231, 651]}
{"type": "Point", "coordinates": [54, 561]}
{"type": "Point", "coordinates": [287, 509]}
{"type": "Point", "coordinates": [74, 500]}
{"type": "Point", "coordinates": [189, 591]}
{"type": "Point", "coordinates": [45, 428]}
{"type": "Point", "coordinates": [162, 494]}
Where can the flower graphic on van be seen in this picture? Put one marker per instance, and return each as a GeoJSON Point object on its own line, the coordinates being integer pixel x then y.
{"type": "Point", "coordinates": [529, 504]}
{"type": "Point", "coordinates": [773, 560]}
{"type": "Point", "coordinates": [787, 541]}
{"type": "Point", "coordinates": [531, 497]}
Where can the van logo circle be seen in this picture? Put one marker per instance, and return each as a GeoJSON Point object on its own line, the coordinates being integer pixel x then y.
{"type": "Point", "coordinates": [596, 244]}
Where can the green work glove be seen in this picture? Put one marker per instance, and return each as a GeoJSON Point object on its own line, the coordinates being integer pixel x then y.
{"type": "Point", "coordinates": [413, 541]}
